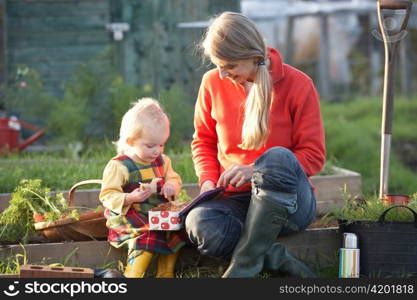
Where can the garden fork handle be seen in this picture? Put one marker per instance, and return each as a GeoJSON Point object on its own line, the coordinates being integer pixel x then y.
{"type": "Point", "coordinates": [395, 4]}
{"type": "Point", "coordinates": [390, 46]}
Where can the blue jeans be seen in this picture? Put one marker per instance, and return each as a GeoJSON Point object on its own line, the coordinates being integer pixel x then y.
{"type": "Point", "coordinates": [215, 226]}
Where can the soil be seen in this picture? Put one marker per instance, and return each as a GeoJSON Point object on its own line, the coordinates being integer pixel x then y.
{"type": "Point", "coordinates": [318, 223]}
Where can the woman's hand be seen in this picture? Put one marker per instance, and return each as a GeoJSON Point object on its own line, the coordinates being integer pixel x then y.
{"type": "Point", "coordinates": [236, 175]}
{"type": "Point", "coordinates": [137, 195]}
{"type": "Point", "coordinates": [168, 191]}
{"type": "Point", "coordinates": [207, 185]}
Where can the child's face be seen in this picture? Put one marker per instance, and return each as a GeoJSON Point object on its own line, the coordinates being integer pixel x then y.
{"type": "Point", "coordinates": [151, 144]}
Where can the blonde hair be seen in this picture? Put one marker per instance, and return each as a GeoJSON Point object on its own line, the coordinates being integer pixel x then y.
{"type": "Point", "coordinates": [231, 37]}
{"type": "Point", "coordinates": [145, 114]}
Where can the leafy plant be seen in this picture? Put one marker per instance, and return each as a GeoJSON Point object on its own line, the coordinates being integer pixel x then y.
{"type": "Point", "coordinates": [180, 109]}
{"type": "Point", "coordinates": [11, 264]}
{"type": "Point", "coordinates": [183, 196]}
{"type": "Point", "coordinates": [31, 197]}
{"type": "Point", "coordinates": [24, 97]}
{"type": "Point", "coordinates": [359, 209]}
{"type": "Point", "coordinates": [94, 100]}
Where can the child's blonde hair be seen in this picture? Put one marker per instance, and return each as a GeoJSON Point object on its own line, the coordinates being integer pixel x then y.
{"type": "Point", "coordinates": [233, 36]}
{"type": "Point", "coordinates": [145, 114]}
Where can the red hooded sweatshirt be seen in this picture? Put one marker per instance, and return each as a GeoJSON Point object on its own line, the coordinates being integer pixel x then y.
{"type": "Point", "coordinates": [295, 122]}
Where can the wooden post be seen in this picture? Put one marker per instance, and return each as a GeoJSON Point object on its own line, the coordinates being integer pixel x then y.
{"type": "Point", "coordinates": [375, 61]}
{"type": "Point", "coordinates": [3, 39]}
{"type": "Point", "coordinates": [127, 48]}
{"type": "Point", "coordinates": [323, 66]}
{"type": "Point", "coordinates": [405, 67]}
{"type": "Point", "coordinates": [289, 40]}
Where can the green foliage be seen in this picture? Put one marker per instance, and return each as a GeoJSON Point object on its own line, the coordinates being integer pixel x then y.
{"type": "Point", "coordinates": [183, 196]}
{"type": "Point", "coordinates": [24, 97]}
{"type": "Point", "coordinates": [355, 209]}
{"type": "Point", "coordinates": [353, 138]}
{"type": "Point", "coordinates": [180, 110]}
{"type": "Point", "coordinates": [182, 163]}
{"type": "Point", "coordinates": [60, 171]}
{"type": "Point", "coordinates": [94, 101]}
{"type": "Point", "coordinates": [11, 264]}
{"type": "Point", "coordinates": [56, 173]}
{"type": "Point", "coordinates": [31, 197]}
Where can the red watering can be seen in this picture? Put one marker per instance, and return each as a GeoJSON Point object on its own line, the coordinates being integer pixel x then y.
{"type": "Point", "coordinates": [10, 133]}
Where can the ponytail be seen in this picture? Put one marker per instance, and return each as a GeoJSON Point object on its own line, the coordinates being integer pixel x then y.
{"type": "Point", "coordinates": [255, 129]}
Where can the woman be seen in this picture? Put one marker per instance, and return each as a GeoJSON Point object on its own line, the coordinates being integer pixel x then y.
{"type": "Point", "coordinates": [259, 134]}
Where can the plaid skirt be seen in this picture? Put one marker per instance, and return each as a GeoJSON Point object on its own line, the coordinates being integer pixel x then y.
{"type": "Point", "coordinates": [132, 231]}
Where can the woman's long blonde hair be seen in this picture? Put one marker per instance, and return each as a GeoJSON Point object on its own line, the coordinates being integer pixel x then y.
{"type": "Point", "coordinates": [231, 37]}
{"type": "Point", "coordinates": [145, 114]}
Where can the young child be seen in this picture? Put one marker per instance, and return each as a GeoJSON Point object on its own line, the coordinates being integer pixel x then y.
{"type": "Point", "coordinates": [143, 134]}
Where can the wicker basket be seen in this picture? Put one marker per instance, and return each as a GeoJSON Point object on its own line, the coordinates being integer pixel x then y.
{"type": "Point", "coordinates": [90, 226]}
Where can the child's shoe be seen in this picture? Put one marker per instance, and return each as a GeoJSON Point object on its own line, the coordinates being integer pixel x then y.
{"type": "Point", "coordinates": [138, 267]}
{"type": "Point", "coordinates": [166, 265]}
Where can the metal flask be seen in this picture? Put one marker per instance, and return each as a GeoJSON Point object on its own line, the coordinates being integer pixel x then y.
{"type": "Point", "coordinates": [349, 256]}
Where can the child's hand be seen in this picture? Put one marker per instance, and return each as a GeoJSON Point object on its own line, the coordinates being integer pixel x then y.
{"type": "Point", "coordinates": [168, 191]}
{"type": "Point", "coordinates": [138, 195]}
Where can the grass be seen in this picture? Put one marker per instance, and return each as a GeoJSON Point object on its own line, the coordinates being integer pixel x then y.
{"type": "Point", "coordinates": [359, 209]}
{"type": "Point", "coordinates": [11, 264]}
{"type": "Point", "coordinates": [61, 170]}
{"type": "Point", "coordinates": [353, 139]}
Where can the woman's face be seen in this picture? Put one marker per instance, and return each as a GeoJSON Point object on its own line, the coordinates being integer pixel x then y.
{"type": "Point", "coordinates": [239, 71]}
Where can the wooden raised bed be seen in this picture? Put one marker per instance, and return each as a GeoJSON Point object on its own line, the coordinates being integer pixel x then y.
{"type": "Point", "coordinates": [329, 191]}
{"type": "Point", "coordinates": [312, 245]}
{"type": "Point", "coordinates": [318, 245]}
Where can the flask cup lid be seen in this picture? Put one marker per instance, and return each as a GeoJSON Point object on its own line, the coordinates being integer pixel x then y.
{"type": "Point", "coordinates": [350, 240]}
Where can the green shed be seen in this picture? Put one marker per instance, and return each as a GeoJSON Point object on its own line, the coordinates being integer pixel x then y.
{"type": "Point", "coordinates": [54, 36]}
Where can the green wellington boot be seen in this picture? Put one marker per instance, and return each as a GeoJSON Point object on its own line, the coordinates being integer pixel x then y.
{"type": "Point", "coordinates": [257, 246]}
{"type": "Point", "coordinates": [279, 260]}
{"type": "Point", "coordinates": [265, 219]}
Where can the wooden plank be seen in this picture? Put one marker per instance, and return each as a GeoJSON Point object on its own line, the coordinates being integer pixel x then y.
{"type": "Point", "coordinates": [9, 276]}
{"type": "Point", "coordinates": [79, 254]}
{"type": "Point", "coordinates": [55, 69]}
{"type": "Point", "coordinates": [55, 53]}
{"type": "Point", "coordinates": [44, 23]}
{"type": "Point", "coordinates": [36, 38]}
{"type": "Point", "coordinates": [312, 245]}
{"type": "Point", "coordinates": [23, 9]}
{"type": "Point", "coordinates": [329, 192]}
